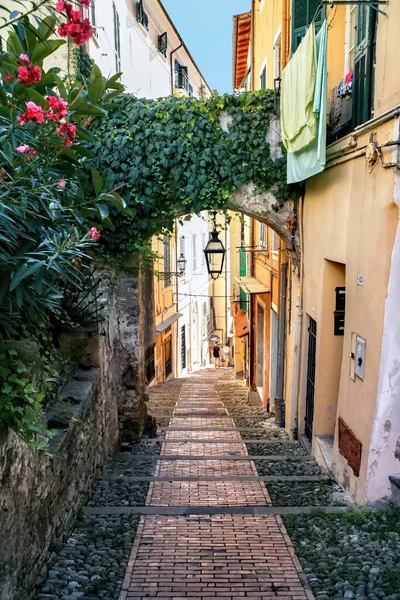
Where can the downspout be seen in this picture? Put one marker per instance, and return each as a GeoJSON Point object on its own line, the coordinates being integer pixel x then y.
{"type": "Point", "coordinates": [226, 286]}
{"type": "Point", "coordinates": [176, 367]}
{"type": "Point", "coordinates": [284, 35]}
{"type": "Point", "coordinates": [252, 44]}
{"type": "Point", "coordinates": [294, 428]}
{"type": "Point", "coordinates": [172, 70]}
{"type": "Point", "coordinates": [281, 344]}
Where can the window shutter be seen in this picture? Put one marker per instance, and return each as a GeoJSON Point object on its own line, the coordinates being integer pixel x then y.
{"type": "Point", "coordinates": [163, 43]}
{"type": "Point", "coordinates": [139, 12]}
{"type": "Point", "coordinates": [363, 81]}
{"type": "Point", "coordinates": [242, 263]}
{"type": "Point", "coordinates": [303, 12]}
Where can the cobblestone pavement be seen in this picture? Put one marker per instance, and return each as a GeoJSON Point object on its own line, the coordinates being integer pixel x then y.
{"type": "Point", "coordinates": [226, 553]}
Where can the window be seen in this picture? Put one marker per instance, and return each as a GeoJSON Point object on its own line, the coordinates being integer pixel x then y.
{"type": "Point", "coordinates": [92, 17]}
{"type": "Point", "coordinates": [277, 56]}
{"type": "Point", "coordinates": [303, 12]}
{"type": "Point", "coordinates": [364, 64]}
{"type": "Point", "coordinates": [141, 15]}
{"type": "Point", "coordinates": [163, 43]}
{"type": "Point", "coordinates": [263, 235]}
{"type": "Point", "coordinates": [350, 38]}
{"type": "Point", "coordinates": [204, 243]}
{"type": "Point", "coordinates": [167, 260]}
{"type": "Point", "coordinates": [194, 256]}
{"type": "Point", "coordinates": [242, 232]}
{"type": "Point", "coordinates": [183, 346]}
{"type": "Point", "coordinates": [182, 245]}
{"type": "Point", "coordinates": [243, 297]}
{"type": "Point", "coordinates": [263, 78]}
{"type": "Point", "coordinates": [243, 304]}
{"type": "Point", "coordinates": [190, 90]}
{"type": "Point", "coordinates": [149, 363]}
{"type": "Point", "coordinates": [275, 242]}
{"type": "Point", "coordinates": [117, 40]}
{"type": "Point", "coordinates": [181, 76]}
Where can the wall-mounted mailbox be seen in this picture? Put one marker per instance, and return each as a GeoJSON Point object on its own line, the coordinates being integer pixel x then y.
{"type": "Point", "coordinates": [340, 303]}
{"type": "Point", "coordinates": [359, 357]}
{"type": "Point", "coordinates": [339, 314]}
{"type": "Point", "coordinates": [338, 323]}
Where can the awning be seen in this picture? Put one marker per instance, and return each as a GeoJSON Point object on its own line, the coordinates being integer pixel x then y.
{"type": "Point", "coordinates": [242, 325]}
{"type": "Point", "coordinates": [251, 285]}
{"type": "Point", "coordinates": [165, 324]}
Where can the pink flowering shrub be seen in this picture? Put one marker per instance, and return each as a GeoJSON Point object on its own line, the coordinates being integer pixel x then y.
{"type": "Point", "coordinates": [76, 28]}
{"type": "Point", "coordinates": [53, 209]}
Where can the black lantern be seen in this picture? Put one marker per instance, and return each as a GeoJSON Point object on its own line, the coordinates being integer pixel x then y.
{"type": "Point", "coordinates": [181, 264]}
{"type": "Point", "coordinates": [215, 252]}
{"type": "Point", "coordinates": [166, 275]}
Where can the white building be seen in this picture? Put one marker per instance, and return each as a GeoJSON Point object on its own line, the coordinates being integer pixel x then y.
{"type": "Point", "coordinates": [194, 296]}
{"type": "Point", "coordinates": [138, 39]}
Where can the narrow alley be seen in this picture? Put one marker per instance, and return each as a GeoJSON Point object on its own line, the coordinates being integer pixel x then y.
{"type": "Point", "coordinates": [210, 524]}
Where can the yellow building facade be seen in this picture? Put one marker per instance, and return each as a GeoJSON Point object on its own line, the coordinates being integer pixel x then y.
{"type": "Point", "coordinates": [265, 284]}
{"type": "Point", "coordinates": [342, 387]}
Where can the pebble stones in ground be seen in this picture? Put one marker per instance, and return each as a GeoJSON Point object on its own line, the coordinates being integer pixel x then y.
{"type": "Point", "coordinates": [91, 564]}
{"type": "Point", "coordinates": [354, 555]}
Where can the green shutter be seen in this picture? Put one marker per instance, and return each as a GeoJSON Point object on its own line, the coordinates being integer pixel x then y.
{"type": "Point", "coordinates": [244, 300]}
{"type": "Point", "coordinates": [363, 82]}
{"type": "Point", "coordinates": [242, 263]}
{"type": "Point", "coordinates": [244, 304]}
{"type": "Point", "coordinates": [303, 12]}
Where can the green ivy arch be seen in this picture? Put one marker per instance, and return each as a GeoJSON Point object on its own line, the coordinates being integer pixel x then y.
{"type": "Point", "coordinates": [175, 156]}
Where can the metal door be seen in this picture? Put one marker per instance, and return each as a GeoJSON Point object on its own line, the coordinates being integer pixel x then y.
{"type": "Point", "coordinates": [168, 356]}
{"type": "Point", "coordinates": [312, 344]}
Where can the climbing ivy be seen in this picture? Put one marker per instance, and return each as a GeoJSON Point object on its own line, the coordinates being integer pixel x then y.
{"type": "Point", "coordinates": [171, 157]}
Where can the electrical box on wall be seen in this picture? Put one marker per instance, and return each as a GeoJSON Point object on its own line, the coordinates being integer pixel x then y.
{"type": "Point", "coordinates": [359, 357]}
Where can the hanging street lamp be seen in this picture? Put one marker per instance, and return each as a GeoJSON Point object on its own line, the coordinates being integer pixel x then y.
{"type": "Point", "coordinates": [215, 252]}
{"type": "Point", "coordinates": [166, 275]}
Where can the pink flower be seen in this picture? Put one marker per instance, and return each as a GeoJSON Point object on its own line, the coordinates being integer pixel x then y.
{"type": "Point", "coordinates": [80, 31]}
{"type": "Point", "coordinates": [61, 183]}
{"type": "Point", "coordinates": [25, 58]}
{"type": "Point", "coordinates": [33, 113]}
{"type": "Point", "coordinates": [9, 78]}
{"type": "Point", "coordinates": [58, 106]}
{"type": "Point", "coordinates": [94, 234]}
{"type": "Point", "coordinates": [60, 6]}
{"type": "Point", "coordinates": [25, 149]}
{"type": "Point", "coordinates": [29, 75]}
{"type": "Point", "coordinates": [67, 130]}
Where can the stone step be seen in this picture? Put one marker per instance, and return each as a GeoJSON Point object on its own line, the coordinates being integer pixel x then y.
{"type": "Point", "coordinates": [186, 511]}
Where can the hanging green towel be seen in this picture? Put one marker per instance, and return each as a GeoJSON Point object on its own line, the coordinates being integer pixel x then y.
{"type": "Point", "coordinates": [299, 123]}
{"type": "Point", "coordinates": [311, 160]}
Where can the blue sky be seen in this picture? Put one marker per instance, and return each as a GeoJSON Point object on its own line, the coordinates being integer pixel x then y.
{"type": "Point", "coordinates": [206, 28]}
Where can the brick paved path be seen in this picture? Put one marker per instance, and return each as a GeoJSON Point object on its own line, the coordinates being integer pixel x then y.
{"type": "Point", "coordinates": [227, 555]}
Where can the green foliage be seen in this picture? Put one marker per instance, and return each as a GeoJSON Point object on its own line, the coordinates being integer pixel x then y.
{"type": "Point", "coordinates": [20, 402]}
{"type": "Point", "coordinates": [43, 226]}
{"type": "Point", "coordinates": [172, 157]}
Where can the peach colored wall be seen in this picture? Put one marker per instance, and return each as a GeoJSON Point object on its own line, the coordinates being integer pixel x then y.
{"type": "Point", "coordinates": [350, 218]}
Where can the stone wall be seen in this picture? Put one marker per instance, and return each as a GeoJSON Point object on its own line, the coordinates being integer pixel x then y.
{"type": "Point", "coordinates": [40, 495]}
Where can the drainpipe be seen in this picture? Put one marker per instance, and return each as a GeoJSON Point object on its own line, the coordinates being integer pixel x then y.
{"type": "Point", "coordinates": [252, 45]}
{"type": "Point", "coordinates": [226, 286]}
{"type": "Point", "coordinates": [296, 397]}
{"type": "Point", "coordinates": [284, 25]}
{"type": "Point", "coordinates": [171, 65]}
{"type": "Point", "coordinates": [281, 344]}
